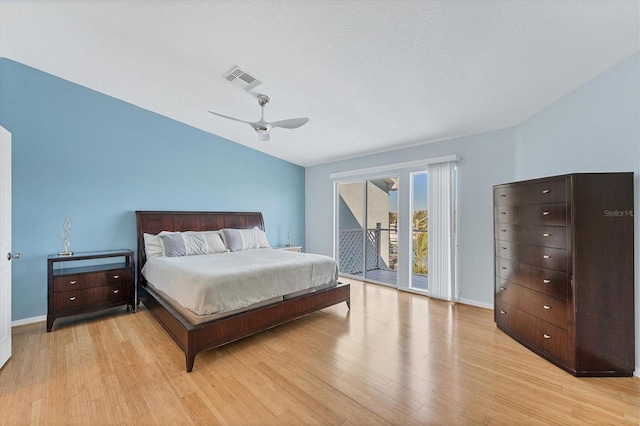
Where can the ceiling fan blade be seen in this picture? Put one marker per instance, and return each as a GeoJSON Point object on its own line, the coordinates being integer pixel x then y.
{"type": "Point", "coordinates": [230, 118]}
{"type": "Point", "coordinates": [292, 123]}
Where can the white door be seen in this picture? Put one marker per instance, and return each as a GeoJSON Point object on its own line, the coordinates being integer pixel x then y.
{"type": "Point", "coordinates": [5, 245]}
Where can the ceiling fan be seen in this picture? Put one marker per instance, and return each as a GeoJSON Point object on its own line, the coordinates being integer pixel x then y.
{"type": "Point", "coordinates": [261, 127]}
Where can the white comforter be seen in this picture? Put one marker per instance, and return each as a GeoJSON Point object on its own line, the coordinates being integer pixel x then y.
{"type": "Point", "coordinates": [224, 282]}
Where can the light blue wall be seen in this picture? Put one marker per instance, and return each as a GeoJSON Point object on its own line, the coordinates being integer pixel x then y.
{"type": "Point", "coordinates": [96, 159]}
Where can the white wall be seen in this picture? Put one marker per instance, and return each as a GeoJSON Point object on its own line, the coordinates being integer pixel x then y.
{"type": "Point", "coordinates": [596, 128]}
{"type": "Point", "coordinates": [486, 160]}
{"type": "Point", "coordinates": [593, 129]}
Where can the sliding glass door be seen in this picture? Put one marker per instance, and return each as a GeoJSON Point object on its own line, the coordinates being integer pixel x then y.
{"type": "Point", "coordinates": [398, 226]}
{"type": "Point", "coordinates": [367, 219]}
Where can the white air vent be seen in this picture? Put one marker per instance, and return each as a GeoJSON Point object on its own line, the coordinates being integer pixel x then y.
{"type": "Point", "coordinates": [241, 79]}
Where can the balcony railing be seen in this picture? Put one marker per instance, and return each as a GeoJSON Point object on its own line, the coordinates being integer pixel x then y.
{"type": "Point", "coordinates": [381, 253]}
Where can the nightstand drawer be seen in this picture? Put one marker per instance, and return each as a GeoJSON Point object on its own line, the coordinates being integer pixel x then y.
{"type": "Point", "coordinates": [67, 301]}
{"type": "Point", "coordinates": [89, 280]}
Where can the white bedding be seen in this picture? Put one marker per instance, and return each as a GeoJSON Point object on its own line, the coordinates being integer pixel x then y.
{"type": "Point", "coordinates": [216, 283]}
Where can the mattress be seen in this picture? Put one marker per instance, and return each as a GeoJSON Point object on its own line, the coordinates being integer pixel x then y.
{"type": "Point", "coordinates": [226, 282]}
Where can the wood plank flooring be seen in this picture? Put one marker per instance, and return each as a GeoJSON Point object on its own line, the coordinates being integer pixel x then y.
{"type": "Point", "coordinates": [395, 358]}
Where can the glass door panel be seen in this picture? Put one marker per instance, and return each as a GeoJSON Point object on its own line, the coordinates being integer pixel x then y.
{"type": "Point", "coordinates": [351, 232]}
{"type": "Point", "coordinates": [420, 233]}
{"type": "Point", "coordinates": [381, 244]}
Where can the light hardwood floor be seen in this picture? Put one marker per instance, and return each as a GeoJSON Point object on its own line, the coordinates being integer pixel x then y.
{"type": "Point", "coordinates": [395, 358]}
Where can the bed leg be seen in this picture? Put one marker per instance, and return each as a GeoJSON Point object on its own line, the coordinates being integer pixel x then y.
{"type": "Point", "coordinates": [190, 358]}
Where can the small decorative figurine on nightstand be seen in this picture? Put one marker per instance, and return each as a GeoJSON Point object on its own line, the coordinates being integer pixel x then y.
{"type": "Point", "coordinates": [288, 237]}
{"type": "Point", "coordinates": [66, 236]}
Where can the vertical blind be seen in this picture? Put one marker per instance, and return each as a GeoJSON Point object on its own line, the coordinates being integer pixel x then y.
{"type": "Point", "coordinates": [441, 199]}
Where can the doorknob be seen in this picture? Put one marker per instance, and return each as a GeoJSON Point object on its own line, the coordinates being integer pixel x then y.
{"type": "Point", "coordinates": [13, 256]}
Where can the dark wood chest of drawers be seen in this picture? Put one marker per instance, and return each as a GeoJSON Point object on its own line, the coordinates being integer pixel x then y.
{"type": "Point", "coordinates": [564, 270]}
{"type": "Point", "coordinates": [94, 281]}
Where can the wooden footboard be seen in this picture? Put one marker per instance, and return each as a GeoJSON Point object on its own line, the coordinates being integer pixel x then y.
{"type": "Point", "coordinates": [196, 338]}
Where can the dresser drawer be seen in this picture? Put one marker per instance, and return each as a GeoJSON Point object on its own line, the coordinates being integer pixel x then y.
{"type": "Point", "coordinates": [544, 257]}
{"type": "Point", "coordinates": [554, 283]}
{"type": "Point", "coordinates": [544, 336]}
{"type": "Point", "coordinates": [89, 280]}
{"type": "Point", "coordinates": [540, 305]}
{"type": "Point", "coordinates": [66, 301]}
{"type": "Point", "coordinates": [534, 214]}
{"type": "Point", "coordinates": [539, 235]}
{"type": "Point", "coordinates": [552, 191]}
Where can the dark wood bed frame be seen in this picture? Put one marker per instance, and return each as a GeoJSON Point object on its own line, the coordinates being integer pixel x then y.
{"type": "Point", "coordinates": [195, 338]}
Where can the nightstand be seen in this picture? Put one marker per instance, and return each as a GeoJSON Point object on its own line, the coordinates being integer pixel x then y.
{"type": "Point", "coordinates": [297, 249]}
{"type": "Point", "coordinates": [89, 281]}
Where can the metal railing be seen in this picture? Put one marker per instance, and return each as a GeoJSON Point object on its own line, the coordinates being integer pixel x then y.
{"type": "Point", "coordinates": [350, 250]}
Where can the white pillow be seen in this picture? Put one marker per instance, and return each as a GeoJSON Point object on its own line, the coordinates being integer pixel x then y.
{"type": "Point", "coordinates": [214, 241]}
{"type": "Point", "coordinates": [153, 246]}
{"type": "Point", "coordinates": [245, 239]}
{"type": "Point", "coordinates": [261, 237]}
{"type": "Point", "coordinates": [185, 244]}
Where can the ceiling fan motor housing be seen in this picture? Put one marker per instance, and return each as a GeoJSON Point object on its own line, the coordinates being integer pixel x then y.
{"type": "Point", "coordinates": [263, 100]}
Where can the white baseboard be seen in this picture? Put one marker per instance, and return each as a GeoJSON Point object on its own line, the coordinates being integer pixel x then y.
{"type": "Point", "coordinates": [475, 303]}
{"type": "Point", "coordinates": [26, 321]}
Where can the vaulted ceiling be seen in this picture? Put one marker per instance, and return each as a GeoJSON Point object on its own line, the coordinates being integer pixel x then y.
{"type": "Point", "coordinates": [372, 75]}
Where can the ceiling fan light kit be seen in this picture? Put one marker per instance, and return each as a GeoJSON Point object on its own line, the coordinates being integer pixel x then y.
{"type": "Point", "coordinates": [262, 127]}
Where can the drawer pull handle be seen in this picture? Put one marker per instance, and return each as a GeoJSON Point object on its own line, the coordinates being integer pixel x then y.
{"type": "Point", "coordinates": [116, 291]}
{"type": "Point", "coordinates": [546, 191]}
{"type": "Point", "coordinates": [115, 277]}
{"type": "Point", "coordinates": [73, 282]}
{"type": "Point", "coordinates": [547, 336]}
{"type": "Point", "coordinates": [72, 298]}
{"type": "Point", "coordinates": [546, 281]}
{"type": "Point", "coordinates": [503, 289]}
{"type": "Point", "coordinates": [503, 267]}
{"type": "Point", "coordinates": [546, 256]}
{"type": "Point", "coordinates": [503, 195]}
{"type": "Point", "coordinates": [503, 248]}
{"type": "Point", "coordinates": [547, 307]}
{"type": "Point", "coordinates": [503, 212]}
{"type": "Point", "coordinates": [545, 213]}
{"type": "Point", "coordinates": [546, 234]}
{"type": "Point", "coordinates": [503, 312]}
{"type": "Point", "coordinates": [503, 230]}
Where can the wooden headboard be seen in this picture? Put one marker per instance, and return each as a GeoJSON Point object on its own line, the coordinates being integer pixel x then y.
{"type": "Point", "coordinates": [153, 222]}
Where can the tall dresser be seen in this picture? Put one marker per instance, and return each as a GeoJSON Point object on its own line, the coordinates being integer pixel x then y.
{"type": "Point", "coordinates": [564, 270]}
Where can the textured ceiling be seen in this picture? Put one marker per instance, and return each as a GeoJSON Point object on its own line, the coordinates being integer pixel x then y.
{"type": "Point", "coordinates": [371, 75]}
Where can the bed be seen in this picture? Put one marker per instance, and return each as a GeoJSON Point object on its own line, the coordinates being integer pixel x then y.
{"type": "Point", "coordinates": [189, 331]}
